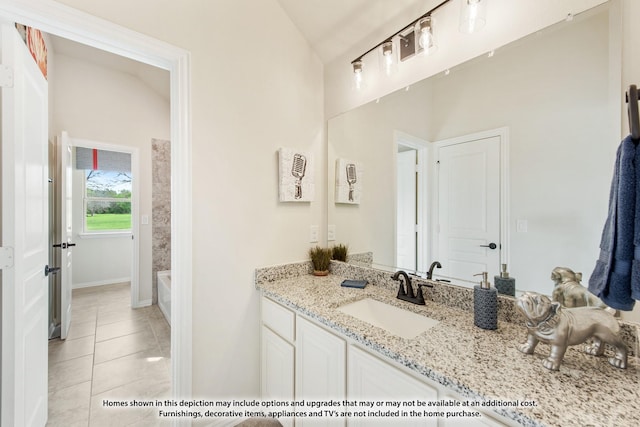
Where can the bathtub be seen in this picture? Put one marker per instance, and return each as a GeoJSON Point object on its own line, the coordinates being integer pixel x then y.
{"type": "Point", "coordinates": [164, 293]}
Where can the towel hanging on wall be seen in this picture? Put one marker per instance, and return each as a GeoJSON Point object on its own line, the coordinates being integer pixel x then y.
{"type": "Point", "coordinates": [616, 277]}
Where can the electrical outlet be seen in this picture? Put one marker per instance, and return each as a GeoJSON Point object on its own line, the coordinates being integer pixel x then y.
{"type": "Point", "coordinates": [313, 234]}
{"type": "Point", "coordinates": [331, 232]}
{"type": "Point", "coordinates": [522, 225]}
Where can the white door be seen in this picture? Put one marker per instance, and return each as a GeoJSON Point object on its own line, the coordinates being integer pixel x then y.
{"type": "Point", "coordinates": [25, 229]}
{"type": "Point", "coordinates": [406, 238]}
{"type": "Point", "coordinates": [66, 245]}
{"type": "Point", "coordinates": [469, 208]}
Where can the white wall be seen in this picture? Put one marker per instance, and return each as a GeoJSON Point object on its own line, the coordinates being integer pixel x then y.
{"type": "Point", "coordinates": [98, 104]}
{"type": "Point", "coordinates": [256, 86]}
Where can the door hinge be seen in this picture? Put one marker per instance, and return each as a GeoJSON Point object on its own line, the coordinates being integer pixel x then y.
{"type": "Point", "coordinates": [6, 257]}
{"type": "Point", "coordinates": [6, 76]}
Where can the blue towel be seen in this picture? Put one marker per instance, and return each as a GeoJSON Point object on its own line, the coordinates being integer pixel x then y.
{"type": "Point", "coordinates": [616, 277]}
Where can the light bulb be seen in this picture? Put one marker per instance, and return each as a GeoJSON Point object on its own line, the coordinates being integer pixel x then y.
{"type": "Point", "coordinates": [426, 40]}
{"type": "Point", "coordinates": [358, 82]}
{"type": "Point", "coordinates": [472, 15]}
{"type": "Point", "coordinates": [387, 58]}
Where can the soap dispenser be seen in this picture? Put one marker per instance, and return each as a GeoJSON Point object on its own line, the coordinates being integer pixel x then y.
{"type": "Point", "coordinates": [504, 284]}
{"type": "Point", "coordinates": [485, 304]}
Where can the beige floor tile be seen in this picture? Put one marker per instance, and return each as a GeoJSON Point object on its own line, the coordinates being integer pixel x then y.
{"type": "Point", "coordinates": [83, 314]}
{"type": "Point", "coordinates": [60, 350]}
{"type": "Point", "coordinates": [118, 329]}
{"type": "Point", "coordinates": [117, 313]}
{"type": "Point", "coordinates": [70, 406]}
{"type": "Point", "coordinates": [70, 372]}
{"type": "Point", "coordinates": [81, 329]}
{"type": "Point", "coordinates": [131, 361]}
{"type": "Point", "coordinates": [125, 345]}
{"type": "Point", "coordinates": [124, 370]}
{"type": "Point", "coordinates": [141, 390]}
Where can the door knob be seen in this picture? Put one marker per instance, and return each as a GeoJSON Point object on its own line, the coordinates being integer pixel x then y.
{"type": "Point", "coordinates": [69, 245]}
{"type": "Point", "coordinates": [60, 245]}
{"type": "Point", "coordinates": [50, 270]}
{"type": "Point", "coordinates": [490, 246]}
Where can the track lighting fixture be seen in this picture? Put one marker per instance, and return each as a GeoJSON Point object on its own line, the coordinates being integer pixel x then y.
{"type": "Point", "coordinates": [418, 37]}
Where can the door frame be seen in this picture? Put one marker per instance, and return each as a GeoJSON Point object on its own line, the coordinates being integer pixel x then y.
{"type": "Point", "coordinates": [58, 19]}
{"type": "Point", "coordinates": [135, 210]}
{"type": "Point", "coordinates": [503, 134]}
{"type": "Point", "coordinates": [422, 147]}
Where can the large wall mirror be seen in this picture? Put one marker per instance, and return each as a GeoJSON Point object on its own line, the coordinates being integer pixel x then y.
{"type": "Point", "coordinates": [514, 148]}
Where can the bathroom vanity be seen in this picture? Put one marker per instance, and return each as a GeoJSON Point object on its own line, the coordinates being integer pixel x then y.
{"type": "Point", "coordinates": [313, 350]}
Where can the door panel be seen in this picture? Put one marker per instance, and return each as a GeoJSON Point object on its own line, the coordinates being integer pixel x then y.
{"type": "Point", "coordinates": [65, 233]}
{"type": "Point", "coordinates": [469, 208]}
{"type": "Point", "coordinates": [406, 251]}
{"type": "Point", "coordinates": [25, 229]}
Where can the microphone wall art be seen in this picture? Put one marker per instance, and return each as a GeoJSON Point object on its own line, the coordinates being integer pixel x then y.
{"type": "Point", "coordinates": [349, 176]}
{"type": "Point", "coordinates": [296, 180]}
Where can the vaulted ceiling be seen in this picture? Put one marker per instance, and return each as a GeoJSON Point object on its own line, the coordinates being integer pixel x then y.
{"type": "Point", "coordinates": [332, 28]}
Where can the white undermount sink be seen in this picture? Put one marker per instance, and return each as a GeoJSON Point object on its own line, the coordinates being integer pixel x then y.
{"type": "Point", "coordinates": [394, 320]}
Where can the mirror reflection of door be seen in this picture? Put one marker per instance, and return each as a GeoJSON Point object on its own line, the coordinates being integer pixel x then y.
{"type": "Point", "coordinates": [412, 205]}
{"type": "Point", "coordinates": [406, 220]}
{"type": "Point", "coordinates": [469, 208]}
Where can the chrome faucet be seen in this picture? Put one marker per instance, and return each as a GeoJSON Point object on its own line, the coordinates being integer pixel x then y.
{"type": "Point", "coordinates": [405, 291]}
{"type": "Point", "coordinates": [430, 272]}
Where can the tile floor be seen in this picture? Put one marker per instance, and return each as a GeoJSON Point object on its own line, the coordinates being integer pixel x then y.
{"type": "Point", "coordinates": [112, 352]}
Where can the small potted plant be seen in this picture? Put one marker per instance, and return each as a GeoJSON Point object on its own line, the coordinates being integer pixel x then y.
{"type": "Point", "coordinates": [339, 252]}
{"type": "Point", "coordinates": [320, 258]}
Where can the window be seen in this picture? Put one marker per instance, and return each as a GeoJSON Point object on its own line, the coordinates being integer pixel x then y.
{"type": "Point", "coordinates": [107, 201]}
{"type": "Point", "coordinates": [107, 190]}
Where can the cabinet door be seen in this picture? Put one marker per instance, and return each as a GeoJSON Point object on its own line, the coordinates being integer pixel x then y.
{"type": "Point", "coordinates": [277, 369]}
{"type": "Point", "coordinates": [374, 380]}
{"type": "Point", "coordinates": [320, 370]}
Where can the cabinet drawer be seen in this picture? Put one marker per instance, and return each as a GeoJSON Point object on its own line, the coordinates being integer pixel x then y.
{"type": "Point", "coordinates": [279, 319]}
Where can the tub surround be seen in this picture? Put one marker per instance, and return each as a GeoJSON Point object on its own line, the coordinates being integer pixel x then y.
{"type": "Point", "coordinates": [161, 210]}
{"type": "Point", "coordinates": [471, 362]}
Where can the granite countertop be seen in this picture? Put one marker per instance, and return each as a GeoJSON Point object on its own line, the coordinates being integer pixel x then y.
{"type": "Point", "coordinates": [476, 363]}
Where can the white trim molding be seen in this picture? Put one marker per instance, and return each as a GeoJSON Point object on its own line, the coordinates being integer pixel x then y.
{"type": "Point", "coordinates": [63, 21]}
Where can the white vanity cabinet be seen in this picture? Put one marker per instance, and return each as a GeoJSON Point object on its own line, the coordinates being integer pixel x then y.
{"type": "Point", "coordinates": [301, 360]}
{"type": "Point", "coordinates": [320, 370]}
{"type": "Point", "coordinates": [372, 379]}
{"type": "Point", "coordinates": [277, 354]}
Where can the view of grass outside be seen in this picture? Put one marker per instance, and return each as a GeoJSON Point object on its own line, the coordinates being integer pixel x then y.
{"type": "Point", "coordinates": [109, 222]}
{"type": "Point", "coordinates": [107, 201]}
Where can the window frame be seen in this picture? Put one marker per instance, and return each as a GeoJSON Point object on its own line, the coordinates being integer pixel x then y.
{"type": "Point", "coordinates": [135, 198]}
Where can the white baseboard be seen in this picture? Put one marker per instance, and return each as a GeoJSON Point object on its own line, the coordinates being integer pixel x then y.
{"type": "Point", "coordinates": [143, 303]}
{"type": "Point", "coordinates": [101, 282]}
